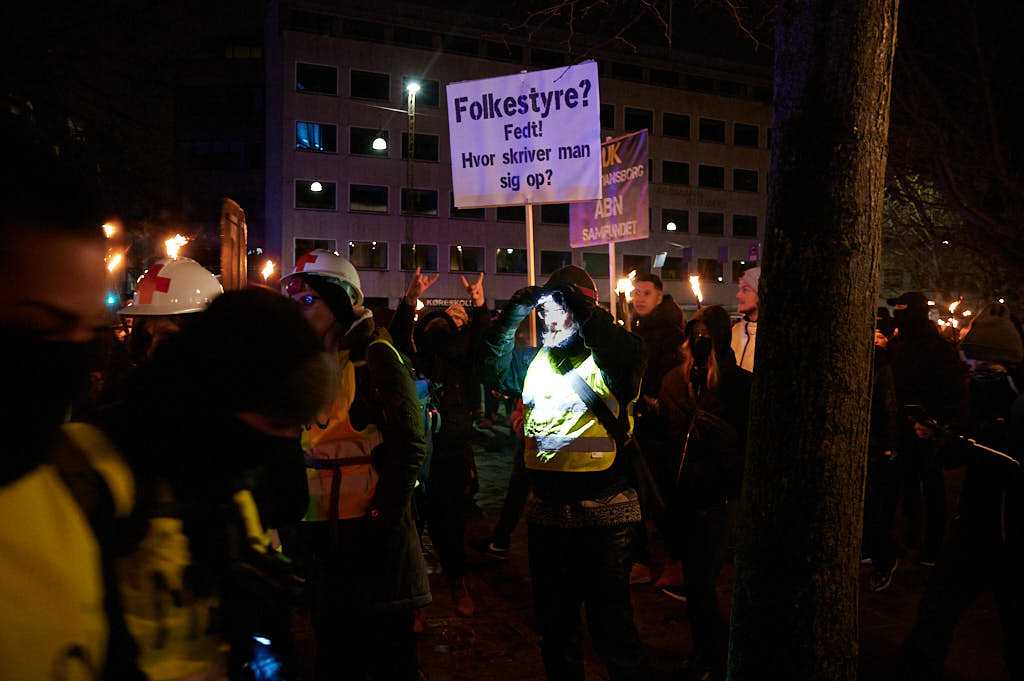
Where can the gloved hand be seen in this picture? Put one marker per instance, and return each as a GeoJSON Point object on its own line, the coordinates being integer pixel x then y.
{"type": "Point", "coordinates": [525, 299]}
{"type": "Point", "coordinates": [580, 305]}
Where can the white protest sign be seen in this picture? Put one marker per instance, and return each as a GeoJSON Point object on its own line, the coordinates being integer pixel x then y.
{"type": "Point", "coordinates": [527, 138]}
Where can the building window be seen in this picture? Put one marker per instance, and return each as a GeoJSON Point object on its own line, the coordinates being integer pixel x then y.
{"type": "Point", "coordinates": [673, 220]}
{"type": "Point", "coordinates": [367, 85]}
{"type": "Point", "coordinates": [675, 125]}
{"type": "Point", "coordinates": [640, 263]}
{"type": "Point", "coordinates": [625, 71]}
{"type": "Point", "coordinates": [423, 256]}
{"type": "Point", "coordinates": [551, 261]}
{"type": "Point", "coordinates": [304, 246]}
{"type": "Point", "coordinates": [457, 44]}
{"type": "Point", "coordinates": [555, 214]}
{"type": "Point", "coordinates": [744, 135]}
{"type": "Point", "coordinates": [419, 201]}
{"type": "Point", "coordinates": [316, 137]}
{"type": "Point", "coordinates": [674, 269]}
{"type": "Point", "coordinates": [744, 180]}
{"type": "Point", "coordinates": [466, 258]}
{"type": "Point", "coordinates": [316, 79]}
{"type": "Point", "coordinates": [675, 172]}
{"type": "Point", "coordinates": [312, 22]}
{"type": "Point", "coordinates": [367, 30]}
{"type": "Point", "coordinates": [710, 271]}
{"type": "Point", "coordinates": [413, 37]}
{"type": "Point", "coordinates": [368, 255]}
{"type": "Point", "coordinates": [744, 225]}
{"type": "Point", "coordinates": [512, 214]}
{"type": "Point", "coordinates": [360, 142]}
{"type": "Point", "coordinates": [464, 213]}
{"type": "Point", "coordinates": [664, 78]}
{"type": "Point", "coordinates": [712, 130]}
{"type": "Point", "coordinates": [700, 84]}
{"type": "Point", "coordinates": [637, 119]}
{"type": "Point", "coordinates": [503, 52]}
{"type": "Point", "coordinates": [546, 58]}
{"type": "Point", "coordinates": [510, 261]}
{"type": "Point", "coordinates": [429, 94]}
{"type": "Point", "coordinates": [711, 177]}
{"type": "Point", "coordinates": [365, 198]}
{"type": "Point", "coordinates": [739, 267]}
{"type": "Point", "coordinates": [596, 264]}
{"type": "Point", "coordinates": [315, 195]}
{"type": "Point", "coordinates": [608, 116]}
{"type": "Point", "coordinates": [425, 147]}
{"type": "Point", "coordinates": [710, 223]}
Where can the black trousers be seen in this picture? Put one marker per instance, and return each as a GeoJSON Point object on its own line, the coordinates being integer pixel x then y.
{"type": "Point", "coordinates": [704, 539]}
{"type": "Point", "coordinates": [884, 484]}
{"type": "Point", "coordinates": [964, 570]}
{"type": "Point", "coordinates": [925, 478]}
{"type": "Point", "coordinates": [446, 503]}
{"type": "Point", "coordinates": [585, 568]}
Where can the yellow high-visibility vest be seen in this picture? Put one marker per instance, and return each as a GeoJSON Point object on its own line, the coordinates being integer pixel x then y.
{"type": "Point", "coordinates": [562, 434]}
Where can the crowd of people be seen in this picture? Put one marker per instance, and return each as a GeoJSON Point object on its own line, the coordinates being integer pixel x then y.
{"type": "Point", "coordinates": [248, 464]}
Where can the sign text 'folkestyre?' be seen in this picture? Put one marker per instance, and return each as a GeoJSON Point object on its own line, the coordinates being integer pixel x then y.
{"type": "Point", "coordinates": [622, 213]}
{"type": "Point", "coordinates": [527, 138]}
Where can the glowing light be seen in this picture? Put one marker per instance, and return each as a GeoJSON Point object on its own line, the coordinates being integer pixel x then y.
{"type": "Point", "coordinates": [955, 323]}
{"type": "Point", "coordinates": [509, 251]}
{"type": "Point", "coordinates": [967, 313]}
{"type": "Point", "coordinates": [625, 285]}
{"type": "Point", "coordinates": [695, 287]}
{"type": "Point", "coordinates": [114, 261]}
{"type": "Point", "coordinates": [111, 299]}
{"type": "Point", "coordinates": [671, 227]}
{"type": "Point", "coordinates": [931, 303]}
{"type": "Point", "coordinates": [1002, 301]}
{"type": "Point", "coordinates": [315, 187]}
{"type": "Point", "coordinates": [268, 270]}
{"type": "Point", "coordinates": [174, 245]}
{"type": "Point", "coordinates": [945, 242]}
{"type": "Point", "coordinates": [953, 306]}
{"type": "Point", "coordinates": [419, 305]}
{"type": "Point", "coordinates": [412, 88]}
{"type": "Point", "coordinates": [380, 144]}
{"type": "Point", "coordinates": [109, 229]}
{"type": "Point", "coordinates": [263, 640]}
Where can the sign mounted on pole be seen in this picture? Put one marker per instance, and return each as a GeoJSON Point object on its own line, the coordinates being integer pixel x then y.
{"type": "Point", "coordinates": [623, 214]}
{"type": "Point", "coordinates": [527, 138]}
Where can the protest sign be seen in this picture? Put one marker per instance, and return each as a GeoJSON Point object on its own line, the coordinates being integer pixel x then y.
{"type": "Point", "coordinates": [527, 138]}
{"type": "Point", "coordinates": [622, 214]}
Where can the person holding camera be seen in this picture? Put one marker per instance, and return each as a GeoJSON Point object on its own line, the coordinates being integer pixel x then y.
{"type": "Point", "coordinates": [704, 404]}
{"type": "Point", "coordinates": [583, 504]}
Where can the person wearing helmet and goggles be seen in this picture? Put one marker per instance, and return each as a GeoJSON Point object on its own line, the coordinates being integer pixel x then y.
{"type": "Point", "coordinates": [363, 455]}
{"type": "Point", "coordinates": [581, 515]}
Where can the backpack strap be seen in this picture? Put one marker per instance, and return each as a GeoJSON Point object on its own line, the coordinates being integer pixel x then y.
{"type": "Point", "coordinates": [94, 472]}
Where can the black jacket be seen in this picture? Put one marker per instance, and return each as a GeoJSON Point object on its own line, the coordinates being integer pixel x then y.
{"type": "Point", "coordinates": [884, 407]}
{"type": "Point", "coordinates": [620, 356]}
{"type": "Point", "coordinates": [927, 371]}
{"type": "Point", "coordinates": [663, 333]}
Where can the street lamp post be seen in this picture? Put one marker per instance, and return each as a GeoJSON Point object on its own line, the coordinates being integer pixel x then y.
{"type": "Point", "coordinates": [411, 89]}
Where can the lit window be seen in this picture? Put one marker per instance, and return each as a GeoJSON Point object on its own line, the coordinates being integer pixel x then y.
{"type": "Point", "coordinates": [368, 255]}
{"type": "Point", "coordinates": [316, 137]}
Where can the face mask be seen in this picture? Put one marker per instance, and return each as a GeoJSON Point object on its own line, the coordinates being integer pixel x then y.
{"type": "Point", "coordinates": [701, 348]}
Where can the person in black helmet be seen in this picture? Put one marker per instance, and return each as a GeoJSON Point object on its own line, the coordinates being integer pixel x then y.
{"type": "Point", "coordinates": [583, 504]}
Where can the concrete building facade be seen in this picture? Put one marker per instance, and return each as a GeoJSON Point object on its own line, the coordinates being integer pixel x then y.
{"type": "Point", "coordinates": [336, 78]}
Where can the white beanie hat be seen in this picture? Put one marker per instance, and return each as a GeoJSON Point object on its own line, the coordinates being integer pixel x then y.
{"type": "Point", "coordinates": [751, 278]}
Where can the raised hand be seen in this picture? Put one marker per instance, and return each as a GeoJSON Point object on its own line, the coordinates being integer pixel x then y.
{"type": "Point", "coordinates": [418, 285]}
{"type": "Point", "coordinates": [475, 290]}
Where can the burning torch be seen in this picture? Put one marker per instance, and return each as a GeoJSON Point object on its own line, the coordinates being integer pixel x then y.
{"type": "Point", "coordinates": [695, 287]}
{"type": "Point", "coordinates": [623, 295]}
{"type": "Point", "coordinates": [174, 245]}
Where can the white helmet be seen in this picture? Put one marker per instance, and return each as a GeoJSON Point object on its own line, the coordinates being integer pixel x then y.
{"type": "Point", "coordinates": [329, 265]}
{"type": "Point", "coordinates": [173, 286]}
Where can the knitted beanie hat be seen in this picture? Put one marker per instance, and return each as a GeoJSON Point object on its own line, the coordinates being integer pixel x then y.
{"type": "Point", "coordinates": [751, 278]}
{"type": "Point", "coordinates": [993, 337]}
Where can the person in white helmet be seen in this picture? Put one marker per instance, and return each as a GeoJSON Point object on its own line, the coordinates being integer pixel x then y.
{"type": "Point", "coordinates": [363, 457]}
{"type": "Point", "coordinates": [169, 289]}
{"type": "Point", "coordinates": [744, 332]}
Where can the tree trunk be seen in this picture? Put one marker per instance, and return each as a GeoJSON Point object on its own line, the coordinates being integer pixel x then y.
{"type": "Point", "coordinates": [795, 603]}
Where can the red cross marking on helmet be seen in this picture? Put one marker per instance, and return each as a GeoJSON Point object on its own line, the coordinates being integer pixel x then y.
{"type": "Point", "coordinates": [151, 283]}
{"type": "Point", "coordinates": [307, 259]}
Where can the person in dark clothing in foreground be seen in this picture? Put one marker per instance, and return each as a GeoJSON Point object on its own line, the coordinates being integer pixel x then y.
{"type": "Point", "coordinates": [583, 505]}
{"type": "Point", "coordinates": [705, 404]}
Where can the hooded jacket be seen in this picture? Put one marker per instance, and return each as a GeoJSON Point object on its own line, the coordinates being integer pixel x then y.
{"type": "Point", "coordinates": [744, 340]}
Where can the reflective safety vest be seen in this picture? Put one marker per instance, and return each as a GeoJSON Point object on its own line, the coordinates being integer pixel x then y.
{"type": "Point", "coordinates": [339, 465]}
{"type": "Point", "coordinates": [52, 623]}
{"type": "Point", "coordinates": [562, 434]}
